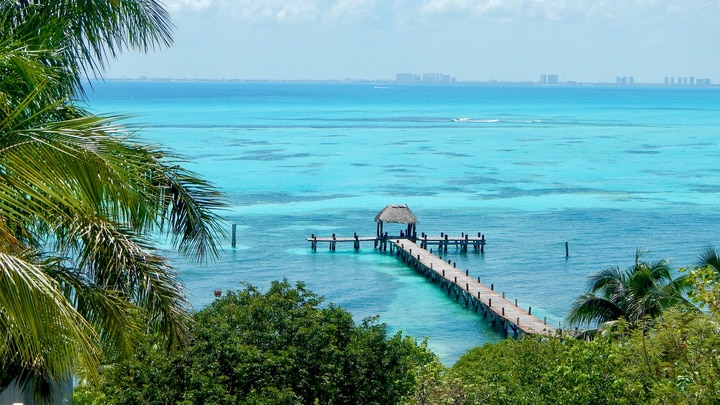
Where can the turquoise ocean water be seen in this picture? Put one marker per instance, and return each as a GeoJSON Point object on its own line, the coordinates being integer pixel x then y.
{"type": "Point", "coordinates": [606, 169]}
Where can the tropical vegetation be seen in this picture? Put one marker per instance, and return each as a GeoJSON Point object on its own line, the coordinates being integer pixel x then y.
{"type": "Point", "coordinates": [706, 279]}
{"type": "Point", "coordinates": [80, 277]}
{"type": "Point", "coordinates": [673, 362]}
{"type": "Point", "coordinates": [84, 291]}
{"type": "Point", "coordinates": [277, 347]}
{"type": "Point", "coordinates": [285, 346]}
{"type": "Point", "coordinates": [640, 292]}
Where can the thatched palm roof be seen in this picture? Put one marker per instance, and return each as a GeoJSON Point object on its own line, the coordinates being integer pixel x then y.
{"type": "Point", "coordinates": [399, 214]}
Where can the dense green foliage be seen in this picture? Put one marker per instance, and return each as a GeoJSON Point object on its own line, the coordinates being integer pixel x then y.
{"type": "Point", "coordinates": [677, 361]}
{"type": "Point", "coordinates": [279, 347]}
{"type": "Point", "coordinates": [535, 371]}
{"type": "Point", "coordinates": [670, 354]}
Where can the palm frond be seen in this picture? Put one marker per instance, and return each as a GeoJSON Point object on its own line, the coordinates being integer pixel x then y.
{"type": "Point", "coordinates": [114, 318]}
{"type": "Point", "coordinates": [115, 260]}
{"type": "Point", "coordinates": [592, 309]}
{"type": "Point", "coordinates": [709, 257]}
{"type": "Point", "coordinates": [35, 316]}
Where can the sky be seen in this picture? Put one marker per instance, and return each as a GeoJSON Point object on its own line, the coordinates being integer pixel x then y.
{"type": "Point", "coordinates": [470, 40]}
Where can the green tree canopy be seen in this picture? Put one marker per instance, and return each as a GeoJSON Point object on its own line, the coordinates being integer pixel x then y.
{"type": "Point", "coordinates": [536, 370]}
{"type": "Point", "coordinates": [674, 361]}
{"type": "Point", "coordinates": [280, 347]}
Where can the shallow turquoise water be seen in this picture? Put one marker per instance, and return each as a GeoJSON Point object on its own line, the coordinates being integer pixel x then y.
{"type": "Point", "coordinates": [607, 169]}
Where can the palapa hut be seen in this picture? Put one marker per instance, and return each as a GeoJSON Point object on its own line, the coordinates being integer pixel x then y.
{"type": "Point", "coordinates": [398, 214]}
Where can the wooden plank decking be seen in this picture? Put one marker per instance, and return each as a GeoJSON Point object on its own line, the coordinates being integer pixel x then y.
{"type": "Point", "coordinates": [509, 316]}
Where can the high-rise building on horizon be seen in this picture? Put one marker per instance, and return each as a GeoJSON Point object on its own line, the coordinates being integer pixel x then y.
{"type": "Point", "coordinates": [686, 81]}
{"type": "Point", "coordinates": [549, 78]}
{"type": "Point", "coordinates": [406, 78]}
{"type": "Point", "coordinates": [425, 78]}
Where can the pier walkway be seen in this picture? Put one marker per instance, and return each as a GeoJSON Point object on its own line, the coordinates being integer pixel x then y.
{"type": "Point", "coordinates": [502, 313]}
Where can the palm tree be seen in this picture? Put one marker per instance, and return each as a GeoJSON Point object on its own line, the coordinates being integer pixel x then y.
{"type": "Point", "coordinates": [641, 291]}
{"type": "Point", "coordinates": [80, 200]}
{"type": "Point", "coordinates": [710, 258]}
{"type": "Point", "coordinates": [705, 277]}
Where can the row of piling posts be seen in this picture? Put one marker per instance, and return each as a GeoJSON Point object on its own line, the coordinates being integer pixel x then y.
{"type": "Point", "coordinates": [478, 244]}
{"type": "Point", "coordinates": [463, 243]}
{"type": "Point", "coordinates": [314, 242]}
{"type": "Point", "coordinates": [381, 241]}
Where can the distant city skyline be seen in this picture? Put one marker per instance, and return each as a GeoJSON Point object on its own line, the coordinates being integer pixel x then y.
{"type": "Point", "coordinates": [553, 78]}
{"type": "Point", "coordinates": [471, 40]}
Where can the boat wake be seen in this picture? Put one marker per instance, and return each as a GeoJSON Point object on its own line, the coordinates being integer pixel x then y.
{"type": "Point", "coordinates": [491, 121]}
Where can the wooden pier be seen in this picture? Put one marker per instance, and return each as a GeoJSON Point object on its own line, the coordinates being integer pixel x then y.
{"type": "Point", "coordinates": [462, 242]}
{"type": "Point", "coordinates": [501, 313]}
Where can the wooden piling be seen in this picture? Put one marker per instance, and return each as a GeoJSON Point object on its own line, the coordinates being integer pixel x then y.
{"type": "Point", "coordinates": [233, 240]}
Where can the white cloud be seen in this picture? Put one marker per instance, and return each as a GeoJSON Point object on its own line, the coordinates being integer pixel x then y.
{"type": "Point", "coordinates": [183, 5]}
{"type": "Point", "coordinates": [396, 11]}
{"type": "Point", "coordinates": [393, 11]}
{"type": "Point", "coordinates": [355, 10]}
